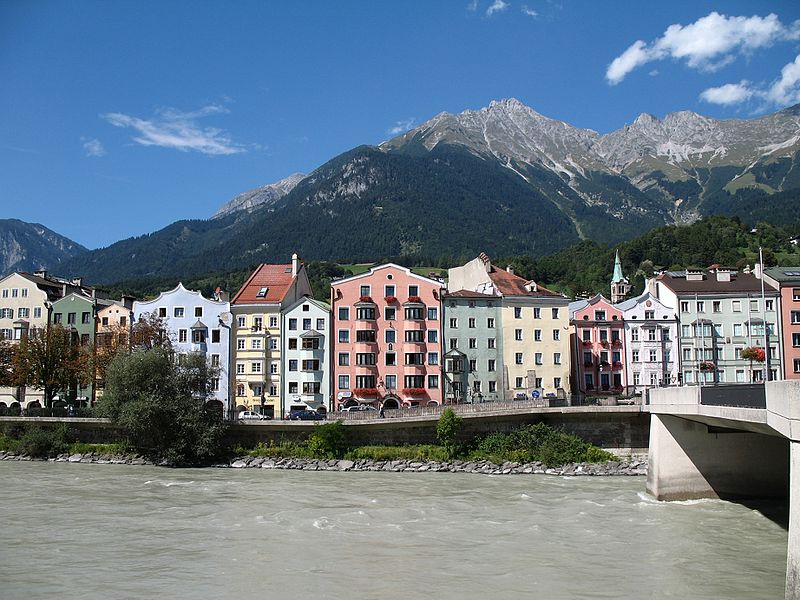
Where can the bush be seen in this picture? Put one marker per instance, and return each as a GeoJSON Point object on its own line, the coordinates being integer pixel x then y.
{"type": "Point", "coordinates": [272, 450]}
{"type": "Point", "coordinates": [447, 430]}
{"type": "Point", "coordinates": [41, 442]}
{"type": "Point", "coordinates": [328, 440]}
{"type": "Point", "coordinates": [388, 453]}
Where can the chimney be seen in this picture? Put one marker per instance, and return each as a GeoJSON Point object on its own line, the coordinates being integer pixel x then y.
{"type": "Point", "coordinates": [487, 263]}
{"type": "Point", "coordinates": [41, 273]}
{"type": "Point", "coordinates": [510, 269]}
{"type": "Point", "coordinates": [127, 301]}
{"type": "Point", "coordinates": [221, 295]}
{"type": "Point", "coordinates": [724, 275]}
{"type": "Point", "coordinates": [77, 281]}
{"type": "Point", "coordinates": [757, 270]}
{"type": "Point", "coordinates": [694, 275]}
{"type": "Point", "coordinates": [295, 264]}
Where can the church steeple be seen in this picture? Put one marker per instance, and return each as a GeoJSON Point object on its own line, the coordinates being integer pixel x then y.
{"type": "Point", "coordinates": [619, 283]}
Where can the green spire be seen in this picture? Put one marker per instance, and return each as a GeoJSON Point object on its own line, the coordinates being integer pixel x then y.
{"type": "Point", "coordinates": [618, 276]}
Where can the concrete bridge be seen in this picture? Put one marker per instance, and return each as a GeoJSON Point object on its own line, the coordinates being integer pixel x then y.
{"type": "Point", "coordinates": [735, 442]}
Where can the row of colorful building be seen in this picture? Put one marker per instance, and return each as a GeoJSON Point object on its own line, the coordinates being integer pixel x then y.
{"type": "Point", "coordinates": [392, 337]}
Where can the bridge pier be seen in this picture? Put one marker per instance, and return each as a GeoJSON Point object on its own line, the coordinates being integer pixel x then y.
{"type": "Point", "coordinates": [689, 459]}
{"type": "Point", "coordinates": [793, 551]}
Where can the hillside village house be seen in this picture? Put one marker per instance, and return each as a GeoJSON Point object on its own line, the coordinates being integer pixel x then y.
{"type": "Point", "coordinates": [720, 313]}
{"type": "Point", "coordinates": [305, 356]}
{"type": "Point", "coordinates": [386, 338]}
{"type": "Point", "coordinates": [196, 325]}
{"type": "Point", "coordinates": [534, 326]}
{"type": "Point", "coordinates": [472, 347]}
{"type": "Point", "coordinates": [257, 334]}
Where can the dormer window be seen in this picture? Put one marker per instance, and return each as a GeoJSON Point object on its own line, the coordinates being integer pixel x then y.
{"type": "Point", "coordinates": [262, 293]}
{"type": "Point", "coordinates": [599, 315]}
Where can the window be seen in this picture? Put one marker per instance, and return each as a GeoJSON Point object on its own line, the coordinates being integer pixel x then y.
{"type": "Point", "coordinates": [557, 358]}
{"type": "Point", "coordinates": [414, 381]}
{"type": "Point", "coordinates": [320, 324]}
{"type": "Point", "coordinates": [797, 365]}
{"type": "Point", "coordinates": [390, 313]}
{"type": "Point", "coordinates": [599, 315]}
{"type": "Point", "coordinates": [273, 343]}
{"type": "Point", "coordinates": [365, 358]}
{"type": "Point", "coordinates": [178, 312]}
{"type": "Point", "coordinates": [344, 313]}
{"type": "Point", "coordinates": [388, 291]}
{"type": "Point", "coordinates": [473, 343]}
{"type": "Point", "coordinates": [537, 313]}
{"type": "Point", "coordinates": [104, 321]}
{"type": "Point", "coordinates": [344, 336]}
{"type": "Point", "coordinates": [306, 324]}
{"type": "Point", "coordinates": [344, 382]}
{"type": "Point", "coordinates": [240, 389]}
{"type": "Point", "coordinates": [292, 387]}
{"type": "Point", "coordinates": [162, 312]}
{"type": "Point", "coordinates": [473, 366]}
{"type": "Point", "coordinates": [653, 355]}
{"type": "Point", "coordinates": [24, 292]}
{"type": "Point", "coordinates": [215, 360]}
{"type": "Point", "coordinates": [198, 311]}
{"type": "Point", "coordinates": [537, 382]}
{"type": "Point", "coordinates": [754, 305]}
{"type": "Point", "coordinates": [490, 323]}
{"type": "Point", "coordinates": [390, 336]}
{"type": "Point", "coordinates": [273, 368]}
{"type": "Point", "coordinates": [415, 358]}
{"type": "Point", "coordinates": [413, 313]}
{"type": "Point", "coordinates": [538, 358]}
{"type": "Point", "coordinates": [433, 313]}
{"type": "Point", "coordinates": [684, 306]}
{"type": "Point", "coordinates": [306, 308]}
{"type": "Point", "coordinates": [292, 343]}
{"type": "Point", "coordinates": [556, 382]}
{"type": "Point", "coordinates": [255, 367]}
{"type": "Point", "coordinates": [390, 359]}
{"type": "Point", "coordinates": [239, 342]}
{"type": "Point", "coordinates": [471, 323]}
{"type": "Point", "coordinates": [182, 335]}
{"type": "Point", "coordinates": [433, 358]}
{"type": "Point", "coordinates": [311, 364]}
{"type": "Point", "coordinates": [433, 336]}
{"type": "Point", "coordinates": [796, 317]}
{"type": "Point", "coordinates": [769, 305]}
{"type": "Point", "coordinates": [198, 336]}
{"type": "Point", "coordinates": [795, 294]}
{"type": "Point", "coordinates": [716, 306]}
{"type": "Point", "coordinates": [368, 335]}
{"type": "Point", "coordinates": [273, 322]}
{"type": "Point", "coordinates": [258, 322]}
{"type": "Point", "coordinates": [390, 382]}
{"type": "Point", "coordinates": [490, 343]}
{"type": "Point", "coordinates": [241, 321]}
{"type": "Point", "coordinates": [651, 335]}
{"type": "Point", "coordinates": [518, 335]}
{"type": "Point", "coordinates": [556, 334]}
{"type": "Point", "coordinates": [517, 312]}
{"type": "Point", "coordinates": [292, 324]}
{"type": "Point", "coordinates": [555, 313]}
{"type": "Point", "coordinates": [37, 313]}
{"type": "Point", "coordinates": [701, 306]}
{"type": "Point", "coordinates": [796, 340]}
{"type": "Point", "coordinates": [365, 290]}
{"type": "Point", "coordinates": [453, 323]}
{"type": "Point", "coordinates": [518, 358]}
{"type": "Point", "coordinates": [70, 318]}
{"type": "Point", "coordinates": [649, 315]}
{"type": "Point", "coordinates": [255, 344]}
{"type": "Point", "coordinates": [518, 383]}
{"type": "Point", "coordinates": [739, 375]}
{"type": "Point", "coordinates": [634, 355]}
{"type": "Point", "coordinates": [738, 330]}
{"type": "Point", "coordinates": [433, 381]}
{"type": "Point", "coordinates": [273, 390]}
{"type": "Point", "coordinates": [413, 290]}
{"type": "Point", "coordinates": [86, 317]}
{"type": "Point", "coordinates": [492, 365]}
{"type": "Point", "coordinates": [492, 387]}
{"type": "Point", "coordinates": [736, 305]}
{"type": "Point", "coordinates": [344, 359]}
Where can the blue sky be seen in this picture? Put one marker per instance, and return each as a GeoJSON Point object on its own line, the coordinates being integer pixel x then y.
{"type": "Point", "coordinates": [119, 118]}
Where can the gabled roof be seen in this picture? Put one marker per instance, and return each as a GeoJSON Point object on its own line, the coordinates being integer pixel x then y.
{"type": "Point", "coordinates": [372, 270]}
{"type": "Point", "coordinates": [324, 306]}
{"type": "Point", "coordinates": [268, 284]}
{"type": "Point", "coordinates": [175, 290]}
{"type": "Point", "coordinates": [311, 333]}
{"type": "Point", "coordinates": [784, 274]}
{"type": "Point", "coordinates": [509, 284]}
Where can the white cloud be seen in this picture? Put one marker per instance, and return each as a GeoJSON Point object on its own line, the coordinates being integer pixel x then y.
{"type": "Point", "coordinates": [728, 94]}
{"type": "Point", "coordinates": [497, 6]}
{"type": "Point", "coordinates": [93, 147]}
{"type": "Point", "coordinates": [172, 128]}
{"type": "Point", "coordinates": [708, 44]}
{"type": "Point", "coordinates": [401, 126]}
{"type": "Point", "coordinates": [472, 6]}
{"type": "Point", "coordinates": [786, 89]}
{"type": "Point", "coordinates": [529, 11]}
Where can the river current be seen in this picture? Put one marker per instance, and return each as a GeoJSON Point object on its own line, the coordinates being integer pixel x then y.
{"type": "Point", "coordinates": [116, 531]}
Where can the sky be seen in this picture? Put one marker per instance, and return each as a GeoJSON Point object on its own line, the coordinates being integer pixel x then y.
{"type": "Point", "coordinates": [119, 118]}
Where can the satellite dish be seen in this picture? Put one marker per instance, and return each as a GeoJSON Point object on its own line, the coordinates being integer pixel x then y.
{"type": "Point", "coordinates": [225, 318]}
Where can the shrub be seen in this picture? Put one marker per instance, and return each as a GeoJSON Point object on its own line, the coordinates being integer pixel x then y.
{"type": "Point", "coordinates": [272, 450]}
{"type": "Point", "coordinates": [388, 453]}
{"type": "Point", "coordinates": [447, 430]}
{"type": "Point", "coordinates": [41, 442]}
{"type": "Point", "coordinates": [328, 440]}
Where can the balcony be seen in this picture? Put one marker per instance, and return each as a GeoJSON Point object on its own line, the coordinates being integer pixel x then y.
{"type": "Point", "coordinates": [365, 300]}
{"type": "Point", "coordinates": [414, 392]}
{"type": "Point", "coordinates": [390, 299]}
{"type": "Point", "coordinates": [616, 343]}
{"type": "Point", "coordinates": [617, 365]}
{"type": "Point", "coordinates": [369, 324]}
{"type": "Point", "coordinates": [366, 369]}
{"type": "Point", "coordinates": [587, 343]}
{"type": "Point", "coordinates": [415, 369]}
{"type": "Point", "coordinates": [415, 344]}
{"type": "Point", "coordinates": [588, 364]}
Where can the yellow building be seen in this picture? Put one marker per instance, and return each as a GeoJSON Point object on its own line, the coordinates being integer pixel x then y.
{"type": "Point", "coordinates": [256, 364]}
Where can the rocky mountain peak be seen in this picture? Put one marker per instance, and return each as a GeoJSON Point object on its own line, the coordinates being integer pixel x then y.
{"type": "Point", "coordinates": [266, 194]}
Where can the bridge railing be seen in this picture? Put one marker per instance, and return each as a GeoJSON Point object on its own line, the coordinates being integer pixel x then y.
{"type": "Point", "coordinates": [741, 395]}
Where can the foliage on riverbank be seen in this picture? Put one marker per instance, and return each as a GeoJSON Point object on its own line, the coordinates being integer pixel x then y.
{"type": "Point", "coordinates": [39, 441]}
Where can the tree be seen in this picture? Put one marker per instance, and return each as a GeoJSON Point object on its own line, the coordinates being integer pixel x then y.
{"type": "Point", "coordinates": [52, 360]}
{"type": "Point", "coordinates": [447, 430]}
{"type": "Point", "coordinates": [150, 332]}
{"type": "Point", "coordinates": [160, 404]}
{"type": "Point", "coordinates": [7, 378]}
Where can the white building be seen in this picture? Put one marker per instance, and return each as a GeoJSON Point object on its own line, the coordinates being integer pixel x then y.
{"type": "Point", "coordinates": [196, 324]}
{"type": "Point", "coordinates": [651, 342]}
{"type": "Point", "coordinates": [306, 356]}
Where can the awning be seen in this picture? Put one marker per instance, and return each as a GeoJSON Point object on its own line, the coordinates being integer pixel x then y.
{"type": "Point", "coordinates": [199, 325]}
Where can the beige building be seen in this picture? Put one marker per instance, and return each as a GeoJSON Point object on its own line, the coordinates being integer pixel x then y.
{"type": "Point", "coordinates": [256, 334]}
{"type": "Point", "coordinates": [534, 323]}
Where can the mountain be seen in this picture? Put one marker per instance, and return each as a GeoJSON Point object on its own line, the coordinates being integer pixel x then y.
{"type": "Point", "coordinates": [31, 246]}
{"type": "Point", "coordinates": [503, 179]}
{"type": "Point", "coordinates": [264, 195]}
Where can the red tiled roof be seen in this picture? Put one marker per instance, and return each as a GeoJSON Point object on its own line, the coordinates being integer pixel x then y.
{"type": "Point", "coordinates": [275, 278]}
{"type": "Point", "coordinates": [509, 284]}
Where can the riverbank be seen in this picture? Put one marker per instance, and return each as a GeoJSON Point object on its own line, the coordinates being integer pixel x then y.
{"type": "Point", "coordinates": [634, 467]}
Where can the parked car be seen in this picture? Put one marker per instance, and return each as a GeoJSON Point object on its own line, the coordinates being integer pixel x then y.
{"type": "Point", "coordinates": [249, 415]}
{"type": "Point", "coordinates": [359, 408]}
{"type": "Point", "coordinates": [306, 415]}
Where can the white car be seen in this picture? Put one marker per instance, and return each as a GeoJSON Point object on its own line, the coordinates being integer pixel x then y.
{"type": "Point", "coordinates": [359, 408]}
{"type": "Point", "coordinates": [249, 415]}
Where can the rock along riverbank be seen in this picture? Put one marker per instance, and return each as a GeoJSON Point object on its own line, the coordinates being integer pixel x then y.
{"type": "Point", "coordinates": [633, 467]}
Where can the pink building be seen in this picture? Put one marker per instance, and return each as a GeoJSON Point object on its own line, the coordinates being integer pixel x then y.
{"type": "Point", "coordinates": [599, 346]}
{"type": "Point", "coordinates": [386, 338]}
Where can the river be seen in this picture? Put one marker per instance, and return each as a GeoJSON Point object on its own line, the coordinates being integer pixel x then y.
{"type": "Point", "coordinates": [116, 531]}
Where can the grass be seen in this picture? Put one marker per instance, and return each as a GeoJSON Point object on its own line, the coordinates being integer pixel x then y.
{"type": "Point", "coordinates": [426, 452]}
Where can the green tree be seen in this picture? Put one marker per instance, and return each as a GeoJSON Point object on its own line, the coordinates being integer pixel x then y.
{"type": "Point", "coordinates": [51, 360]}
{"type": "Point", "coordinates": [161, 405]}
{"type": "Point", "coordinates": [447, 430]}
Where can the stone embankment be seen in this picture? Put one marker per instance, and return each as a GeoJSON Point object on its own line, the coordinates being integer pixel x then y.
{"type": "Point", "coordinates": [636, 466]}
{"type": "Point", "coordinates": [633, 467]}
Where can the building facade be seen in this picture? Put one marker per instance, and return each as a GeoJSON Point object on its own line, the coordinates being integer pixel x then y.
{"type": "Point", "coordinates": [787, 281]}
{"type": "Point", "coordinates": [599, 349]}
{"type": "Point", "coordinates": [257, 334]}
{"type": "Point", "coordinates": [651, 343]}
{"type": "Point", "coordinates": [386, 338]}
{"type": "Point", "coordinates": [306, 356]}
{"type": "Point", "coordinates": [196, 325]}
{"type": "Point", "coordinates": [472, 347]}
{"type": "Point", "coordinates": [535, 328]}
{"type": "Point", "coordinates": [721, 312]}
